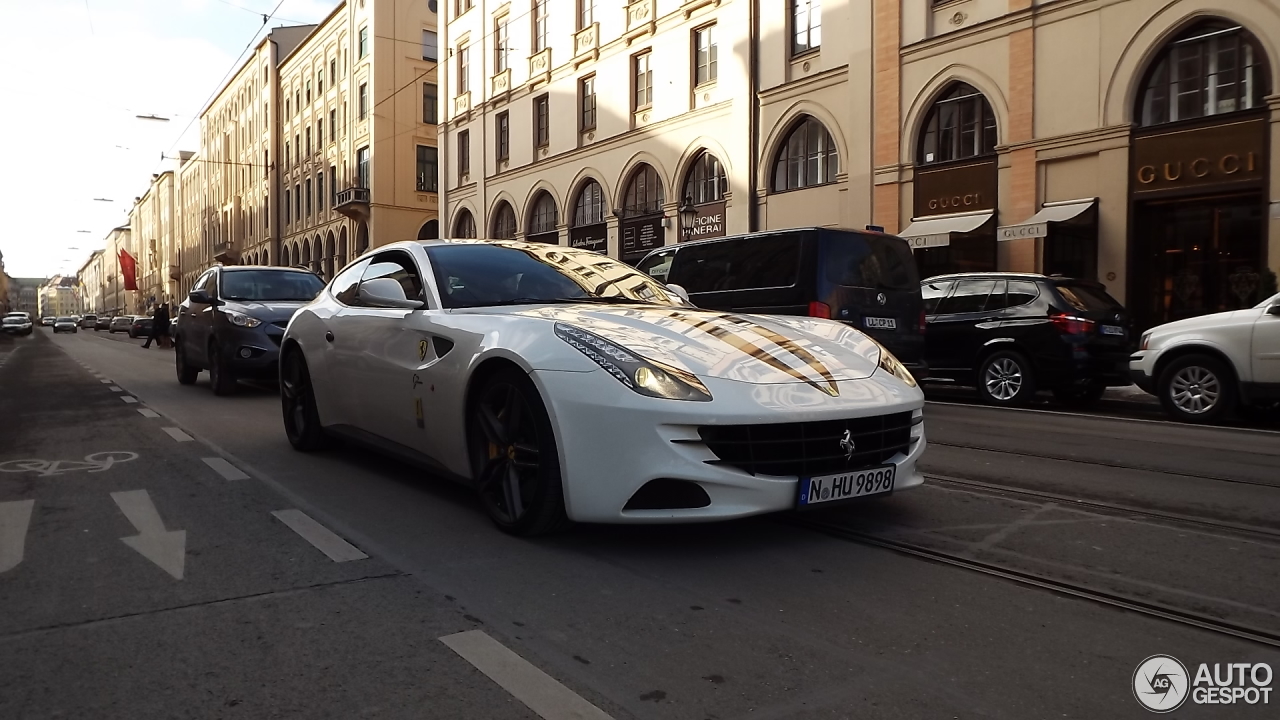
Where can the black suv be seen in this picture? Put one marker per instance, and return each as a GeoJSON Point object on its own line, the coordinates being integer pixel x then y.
{"type": "Point", "coordinates": [866, 279]}
{"type": "Point", "coordinates": [1011, 334]}
{"type": "Point", "coordinates": [232, 322]}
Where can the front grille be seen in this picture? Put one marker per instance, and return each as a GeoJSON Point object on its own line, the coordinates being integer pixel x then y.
{"type": "Point", "coordinates": [811, 448]}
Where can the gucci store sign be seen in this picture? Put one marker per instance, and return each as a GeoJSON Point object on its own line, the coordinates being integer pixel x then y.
{"type": "Point", "coordinates": [1215, 155]}
{"type": "Point", "coordinates": [955, 189]}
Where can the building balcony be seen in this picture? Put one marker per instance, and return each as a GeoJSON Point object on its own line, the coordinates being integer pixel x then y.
{"type": "Point", "coordinates": [353, 202]}
{"type": "Point", "coordinates": [224, 252]}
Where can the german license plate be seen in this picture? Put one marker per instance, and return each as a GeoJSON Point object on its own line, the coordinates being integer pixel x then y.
{"type": "Point", "coordinates": [860, 483]}
{"type": "Point", "coordinates": [1112, 330]}
{"type": "Point", "coordinates": [877, 323]}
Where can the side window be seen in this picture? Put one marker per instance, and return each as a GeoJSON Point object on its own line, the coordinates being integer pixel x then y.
{"type": "Point", "coordinates": [658, 265]}
{"type": "Point", "coordinates": [746, 264]}
{"type": "Point", "coordinates": [933, 292]}
{"type": "Point", "coordinates": [399, 267]}
{"type": "Point", "coordinates": [997, 300]}
{"type": "Point", "coordinates": [1022, 292]}
{"type": "Point", "coordinates": [200, 281]}
{"type": "Point", "coordinates": [211, 284]}
{"type": "Point", "coordinates": [970, 297]}
{"type": "Point", "coordinates": [345, 285]}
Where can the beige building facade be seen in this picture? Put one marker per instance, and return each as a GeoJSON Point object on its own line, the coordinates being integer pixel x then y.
{"type": "Point", "coordinates": [156, 243]}
{"type": "Point", "coordinates": [59, 297]}
{"type": "Point", "coordinates": [359, 165]}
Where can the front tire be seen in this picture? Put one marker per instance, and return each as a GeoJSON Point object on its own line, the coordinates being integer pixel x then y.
{"type": "Point", "coordinates": [514, 462]}
{"type": "Point", "coordinates": [1005, 378]}
{"type": "Point", "coordinates": [220, 377]}
{"type": "Point", "coordinates": [298, 404]}
{"type": "Point", "coordinates": [1197, 389]}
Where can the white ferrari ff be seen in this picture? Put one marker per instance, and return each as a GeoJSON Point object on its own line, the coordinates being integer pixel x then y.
{"type": "Point", "coordinates": [566, 386]}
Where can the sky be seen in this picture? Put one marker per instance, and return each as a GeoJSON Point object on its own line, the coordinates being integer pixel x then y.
{"type": "Point", "coordinates": [77, 77]}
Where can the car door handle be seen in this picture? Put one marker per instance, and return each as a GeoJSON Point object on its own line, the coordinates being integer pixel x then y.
{"type": "Point", "coordinates": [328, 335]}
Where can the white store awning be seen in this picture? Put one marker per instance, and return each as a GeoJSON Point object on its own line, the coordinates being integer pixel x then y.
{"type": "Point", "coordinates": [1037, 225]}
{"type": "Point", "coordinates": [936, 231]}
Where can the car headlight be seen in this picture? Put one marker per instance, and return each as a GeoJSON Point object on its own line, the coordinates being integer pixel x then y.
{"type": "Point", "coordinates": [641, 375]}
{"type": "Point", "coordinates": [1146, 340]}
{"type": "Point", "coordinates": [893, 366]}
{"type": "Point", "coordinates": [239, 319]}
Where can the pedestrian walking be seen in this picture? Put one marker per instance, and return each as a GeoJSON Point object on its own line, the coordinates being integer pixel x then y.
{"type": "Point", "coordinates": [157, 326]}
{"type": "Point", "coordinates": [161, 322]}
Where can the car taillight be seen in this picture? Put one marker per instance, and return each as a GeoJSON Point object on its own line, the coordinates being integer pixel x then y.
{"type": "Point", "coordinates": [1071, 325]}
{"type": "Point", "coordinates": [819, 310]}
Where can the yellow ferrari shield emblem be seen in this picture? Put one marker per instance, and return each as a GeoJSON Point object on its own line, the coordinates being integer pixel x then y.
{"type": "Point", "coordinates": [423, 346]}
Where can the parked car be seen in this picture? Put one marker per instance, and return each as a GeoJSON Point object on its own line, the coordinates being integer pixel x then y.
{"type": "Point", "coordinates": [120, 323]}
{"type": "Point", "coordinates": [865, 279]}
{"type": "Point", "coordinates": [1204, 367]}
{"type": "Point", "coordinates": [88, 322]}
{"type": "Point", "coordinates": [47, 321]}
{"type": "Point", "coordinates": [140, 326]}
{"type": "Point", "coordinates": [1011, 334]}
{"type": "Point", "coordinates": [65, 324]}
{"type": "Point", "coordinates": [102, 323]}
{"type": "Point", "coordinates": [16, 324]}
{"type": "Point", "coordinates": [232, 322]}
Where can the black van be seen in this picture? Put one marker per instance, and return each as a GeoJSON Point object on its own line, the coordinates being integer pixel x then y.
{"type": "Point", "coordinates": [866, 279]}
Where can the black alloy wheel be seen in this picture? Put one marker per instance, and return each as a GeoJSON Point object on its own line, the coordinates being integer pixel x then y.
{"type": "Point", "coordinates": [223, 382]}
{"type": "Point", "coordinates": [1080, 396]}
{"type": "Point", "coordinates": [298, 404]}
{"type": "Point", "coordinates": [1005, 378]}
{"type": "Point", "coordinates": [514, 462]}
{"type": "Point", "coordinates": [187, 373]}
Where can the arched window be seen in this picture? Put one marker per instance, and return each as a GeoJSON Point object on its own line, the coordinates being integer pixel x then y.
{"type": "Point", "coordinates": [960, 124]}
{"type": "Point", "coordinates": [1213, 67]}
{"type": "Point", "coordinates": [284, 256]}
{"type": "Point", "coordinates": [362, 239]}
{"type": "Point", "coordinates": [342, 247]}
{"type": "Point", "coordinates": [543, 219]}
{"type": "Point", "coordinates": [807, 157]}
{"type": "Point", "coordinates": [305, 259]}
{"type": "Point", "coordinates": [330, 253]}
{"type": "Point", "coordinates": [504, 222]}
{"type": "Point", "coordinates": [430, 230]}
{"type": "Point", "coordinates": [317, 257]}
{"type": "Point", "coordinates": [706, 181]}
{"type": "Point", "coordinates": [589, 207]}
{"type": "Point", "coordinates": [464, 224]}
{"type": "Point", "coordinates": [644, 194]}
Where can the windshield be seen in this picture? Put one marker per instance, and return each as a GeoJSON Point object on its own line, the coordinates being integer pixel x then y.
{"type": "Point", "coordinates": [1088, 298]}
{"type": "Point", "coordinates": [14, 320]}
{"type": "Point", "coordinates": [269, 285]}
{"type": "Point", "coordinates": [496, 273]}
{"type": "Point", "coordinates": [868, 261]}
{"type": "Point", "coordinates": [64, 319]}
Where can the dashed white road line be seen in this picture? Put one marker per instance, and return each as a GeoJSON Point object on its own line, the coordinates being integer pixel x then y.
{"type": "Point", "coordinates": [129, 399]}
{"type": "Point", "coordinates": [116, 388]}
{"type": "Point", "coordinates": [324, 539]}
{"type": "Point", "coordinates": [542, 693]}
{"type": "Point", "coordinates": [148, 413]}
{"type": "Point", "coordinates": [177, 434]}
{"type": "Point", "coordinates": [225, 469]}
{"type": "Point", "coordinates": [105, 381]}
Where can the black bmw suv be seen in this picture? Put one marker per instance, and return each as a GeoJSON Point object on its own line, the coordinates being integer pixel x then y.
{"type": "Point", "coordinates": [1011, 334]}
{"type": "Point", "coordinates": [232, 322]}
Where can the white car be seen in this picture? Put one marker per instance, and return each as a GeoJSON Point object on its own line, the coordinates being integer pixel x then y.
{"type": "Point", "coordinates": [566, 386]}
{"type": "Point", "coordinates": [1201, 368]}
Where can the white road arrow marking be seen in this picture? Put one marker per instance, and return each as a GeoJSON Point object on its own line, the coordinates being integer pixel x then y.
{"type": "Point", "coordinates": [166, 548]}
{"type": "Point", "coordinates": [14, 518]}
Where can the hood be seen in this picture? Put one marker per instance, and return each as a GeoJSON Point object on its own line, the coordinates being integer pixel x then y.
{"type": "Point", "coordinates": [745, 348]}
{"type": "Point", "coordinates": [268, 311]}
{"type": "Point", "coordinates": [1201, 322]}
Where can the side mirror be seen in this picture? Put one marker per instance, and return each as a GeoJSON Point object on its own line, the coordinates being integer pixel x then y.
{"type": "Point", "coordinates": [1274, 309]}
{"type": "Point", "coordinates": [200, 297]}
{"type": "Point", "coordinates": [679, 290]}
{"type": "Point", "coordinates": [386, 293]}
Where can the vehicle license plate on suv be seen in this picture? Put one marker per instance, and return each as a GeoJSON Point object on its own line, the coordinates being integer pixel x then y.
{"type": "Point", "coordinates": [1112, 330]}
{"type": "Point", "coordinates": [880, 323]}
{"type": "Point", "coordinates": [860, 483]}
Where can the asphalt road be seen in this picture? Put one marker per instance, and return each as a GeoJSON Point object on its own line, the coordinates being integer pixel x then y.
{"type": "Point", "coordinates": [1048, 555]}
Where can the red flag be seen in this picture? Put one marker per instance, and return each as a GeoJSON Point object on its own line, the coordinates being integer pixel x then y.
{"type": "Point", "coordinates": [128, 270]}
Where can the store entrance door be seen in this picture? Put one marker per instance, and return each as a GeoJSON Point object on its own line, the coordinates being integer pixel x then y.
{"type": "Point", "coordinates": [1197, 256]}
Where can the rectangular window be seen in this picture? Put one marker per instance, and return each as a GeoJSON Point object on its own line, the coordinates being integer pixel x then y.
{"type": "Point", "coordinates": [320, 81]}
{"type": "Point", "coordinates": [539, 25]}
{"type": "Point", "coordinates": [308, 92]}
{"type": "Point", "coordinates": [501, 45]}
{"type": "Point", "coordinates": [704, 49]}
{"type": "Point", "coordinates": [586, 13]}
{"type": "Point", "coordinates": [462, 6]}
{"type": "Point", "coordinates": [503, 136]}
{"type": "Point", "coordinates": [320, 133]}
{"type": "Point", "coordinates": [362, 167]}
{"type": "Point", "coordinates": [464, 70]}
{"type": "Point", "coordinates": [308, 142]}
{"type": "Point", "coordinates": [464, 154]}
{"type": "Point", "coordinates": [364, 43]}
{"type": "Point", "coordinates": [297, 101]}
{"type": "Point", "coordinates": [286, 107]}
{"type": "Point", "coordinates": [286, 156]}
{"type": "Point", "coordinates": [287, 217]}
{"type": "Point", "coordinates": [427, 169]}
{"type": "Point", "coordinates": [587, 115]}
{"type": "Point", "coordinates": [308, 197]}
{"type": "Point", "coordinates": [297, 149]}
{"type": "Point", "coordinates": [363, 102]}
{"type": "Point", "coordinates": [642, 81]}
{"type": "Point", "coordinates": [333, 125]}
{"type": "Point", "coordinates": [429, 115]}
{"type": "Point", "coordinates": [266, 213]}
{"type": "Point", "coordinates": [333, 69]}
{"type": "Point", "coordinates": [333, 185]}
{"type": "Point", "coordinates": [297, 201]}
{"type": "Point", "coordinates": [542, 121]}
{"type": "Point", "coordinates": [806, 22]}
{"type": "Point", "coordinates": [320, 192]}
{"type": "Point", "coordinates": [430, 45]}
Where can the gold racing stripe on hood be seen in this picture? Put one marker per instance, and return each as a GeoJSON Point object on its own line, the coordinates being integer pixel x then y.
{"type": "Point", "coordinates": [736, 339]}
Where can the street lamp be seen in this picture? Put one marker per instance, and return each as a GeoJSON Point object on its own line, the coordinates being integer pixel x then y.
{"type": "Point", "coordinates": [687, 215]}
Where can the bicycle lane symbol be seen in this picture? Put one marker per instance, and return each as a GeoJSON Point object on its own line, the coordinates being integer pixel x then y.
{"type": "Point", "coordinates": [94, 463]}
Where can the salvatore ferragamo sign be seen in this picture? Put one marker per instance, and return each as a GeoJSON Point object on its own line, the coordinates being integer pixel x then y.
{"type": "Point", "coordinates": [1218, 154]}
